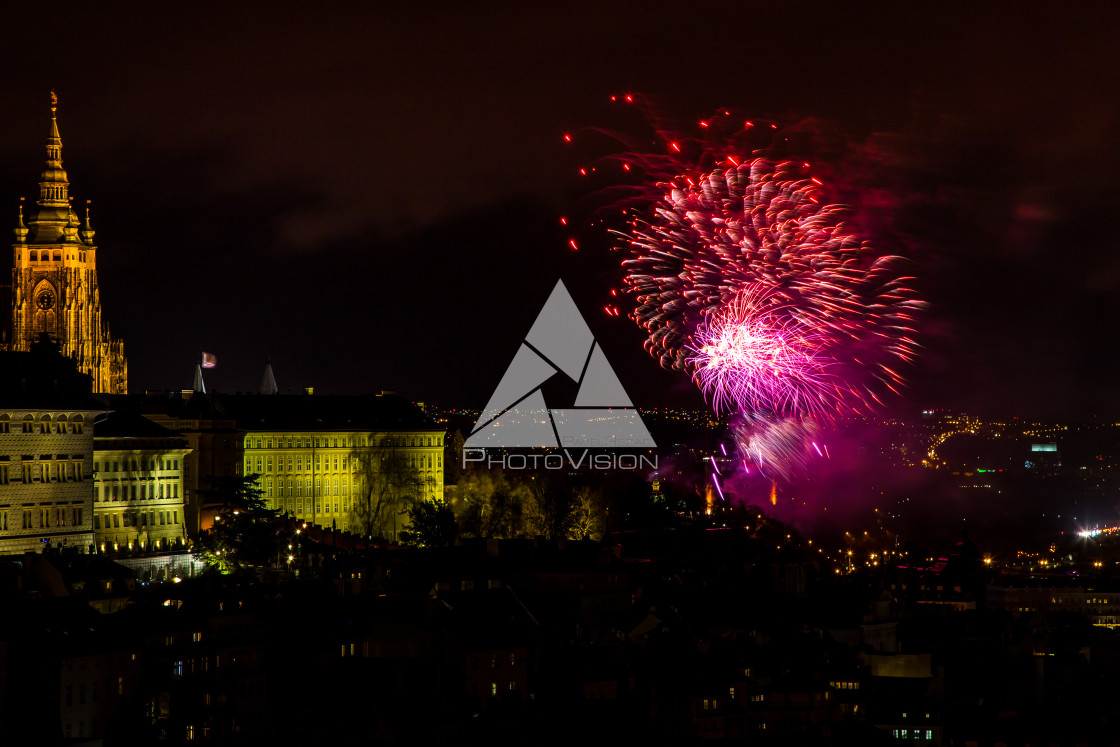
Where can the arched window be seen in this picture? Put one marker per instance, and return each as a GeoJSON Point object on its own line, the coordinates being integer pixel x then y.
{"type": "Point", "coordinates": [33, 257]}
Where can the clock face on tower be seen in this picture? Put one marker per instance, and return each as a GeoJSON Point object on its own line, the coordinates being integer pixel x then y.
{"type": "Point", "coordinates": [45, 300]}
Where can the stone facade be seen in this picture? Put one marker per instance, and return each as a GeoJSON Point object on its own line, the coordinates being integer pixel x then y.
{"type": "Point", "coordinates": [46, 452]}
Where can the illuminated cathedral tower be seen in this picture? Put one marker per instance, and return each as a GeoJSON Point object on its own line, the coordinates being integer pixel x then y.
{"type": "Point", "coordinates": [54, 279]}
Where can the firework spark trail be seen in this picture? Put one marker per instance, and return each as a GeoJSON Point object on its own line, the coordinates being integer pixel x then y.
{"type": "Point", "coordinates": [779, 447]}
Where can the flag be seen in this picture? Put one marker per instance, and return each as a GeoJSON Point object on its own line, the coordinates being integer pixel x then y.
{"type": "Point", "coordinates": [209, 360]}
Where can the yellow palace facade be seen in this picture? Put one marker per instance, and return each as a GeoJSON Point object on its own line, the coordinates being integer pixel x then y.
{"type": "Point", "coordinates": [331, 479]}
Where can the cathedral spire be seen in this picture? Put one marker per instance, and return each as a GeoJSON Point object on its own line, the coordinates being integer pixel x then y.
{"type": "Point", "coordinates": [268, 380]}
{"type": "Point", "coordinates": [199, 385]}
{"type": "Point", "coordinates": [87, 230]}
{"type": "Point", "coordinates": [21, 230]}
{"type": "Point", "coordinates": [54, 187]}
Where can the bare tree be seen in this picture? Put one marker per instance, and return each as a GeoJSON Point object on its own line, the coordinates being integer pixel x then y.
{"type": "Point", "coordinates": [588, 516]}
{"type": "Point", "coordinates": [385, 486]}
{"type": "Point", "coordinates": [488, 504]}
{"type": "Point", "coordinates": [549, 510]}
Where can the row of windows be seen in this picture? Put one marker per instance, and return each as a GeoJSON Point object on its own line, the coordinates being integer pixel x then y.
{"type": "Point", "coordinates": [266, 464]}
{"type": "Point", "coordinates": [34, 256]}
{"type": "Point", "coordinates": [44, 428]}
{"type": "Point", "coordinates": [296, 487]}
{"type": "Point", "coordinates": [136, 465]}
{"type": "Point", "coordinates": [52, 471]}
{"type": "Point", "coordinates": [296, 464]}
{"type": "Point", "coordinates": [912, 734]}
{"type": "Point", "coordinates": [134, 519]}
{"type": "Point", "coordinates": [45, 518]}
{"type": "Point", "coordinates": [844, 685]}
{"type": "Point", "coordinates": [148, 491]}
{"type": "Point", "coordinates": [298, 442]}
{"type": "Point", "coordinates": [296, 506]}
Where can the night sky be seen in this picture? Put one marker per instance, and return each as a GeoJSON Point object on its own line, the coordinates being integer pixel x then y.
{"type": "Point", "coordinates": [370, 194]}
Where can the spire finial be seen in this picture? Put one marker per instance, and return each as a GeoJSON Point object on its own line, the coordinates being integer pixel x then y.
{"type": "Point", "coordinates": [87, 231]}
{"type": "Point", "coordinates": [54, 103]}
{"type": "Point", "coordinates": [21, 230]}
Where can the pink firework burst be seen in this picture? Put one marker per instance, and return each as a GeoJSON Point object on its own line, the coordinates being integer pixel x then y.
{"type": "Point", "coordinates": [762, 229]}
{"type": "Point", "coordinates": [748, 357]}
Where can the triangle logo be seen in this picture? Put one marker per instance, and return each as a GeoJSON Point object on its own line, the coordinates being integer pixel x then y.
{"type": "Point", "coordinates": [560, 342]}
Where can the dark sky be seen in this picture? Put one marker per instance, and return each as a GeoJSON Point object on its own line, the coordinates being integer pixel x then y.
{"type": "Point", "coordinates": [369, 193]}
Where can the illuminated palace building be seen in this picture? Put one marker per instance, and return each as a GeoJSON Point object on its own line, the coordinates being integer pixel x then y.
{"type": "Point", "coordinates": [54, 289]}
{"type": "Point", "coordinates": [138, 486]}
{"type": "Point", "coordinates": [326, 478]}
{"type": "Point", "coordinates": [352, 463]}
